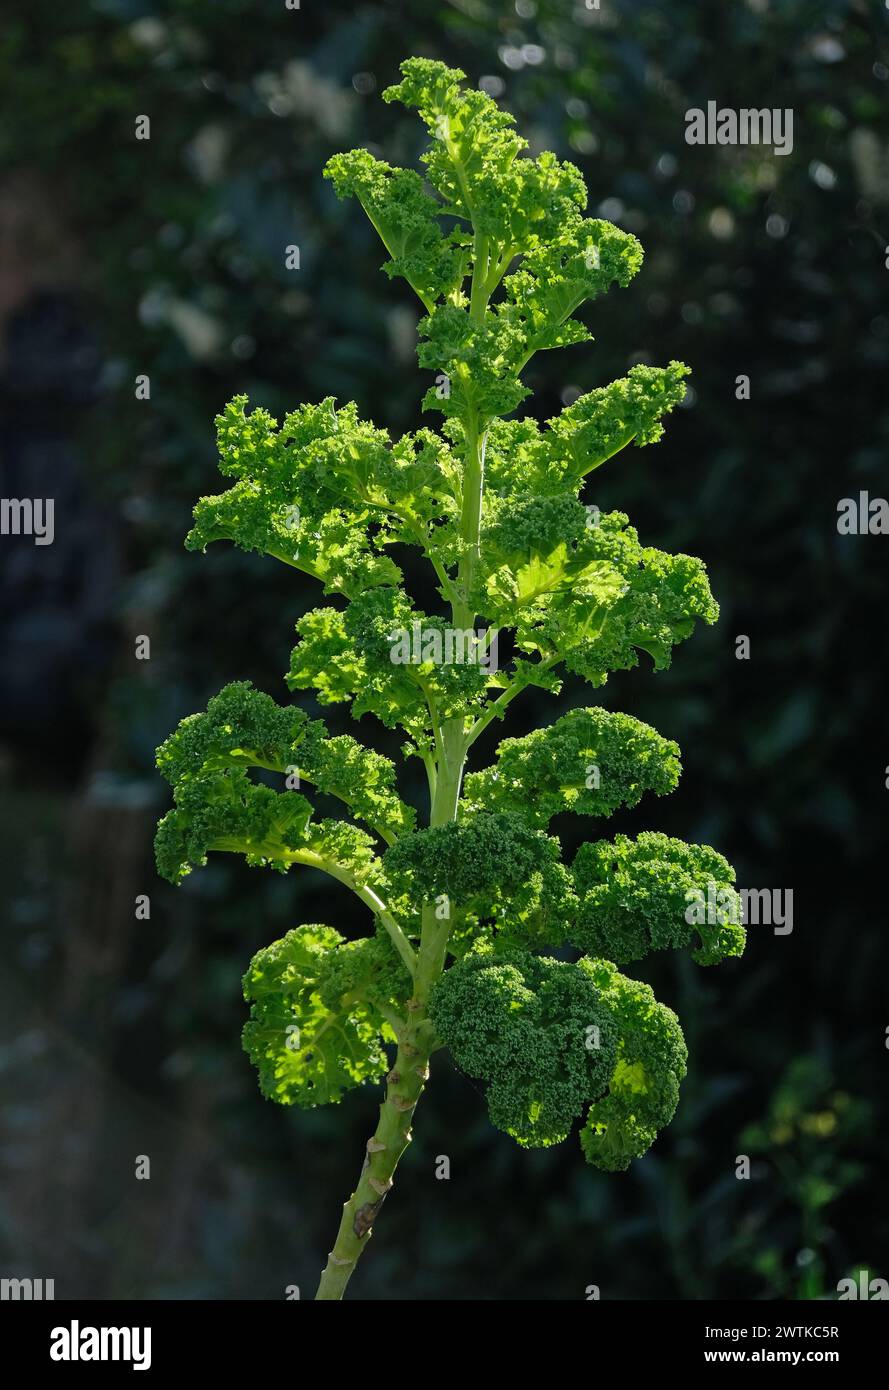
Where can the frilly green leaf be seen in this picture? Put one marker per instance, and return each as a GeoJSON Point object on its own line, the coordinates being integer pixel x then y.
{"type": "Point", "coordinates": [406, 220]}
{"type": "Point", "coordinates": [656, 893]}
{"type": "Point", "coordinates": [536, 1031]}
{"type": "Point", "coordinates": [643, 1090]}
{"type": "Point", "coordinates": [242, 727]}
{"type": "Point", "coordinates": [591, 761]}
{"type": "Point", "coordinates": [550, 1038]}
{"type": "Point", "coordinates": [319, 1015]}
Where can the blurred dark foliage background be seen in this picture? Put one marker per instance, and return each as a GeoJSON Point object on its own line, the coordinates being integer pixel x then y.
{"type": "Point", "coordinates": [165, 257]}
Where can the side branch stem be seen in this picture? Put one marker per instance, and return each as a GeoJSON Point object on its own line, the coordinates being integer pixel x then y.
{"type": "Point", "coordinates": [367, 896]}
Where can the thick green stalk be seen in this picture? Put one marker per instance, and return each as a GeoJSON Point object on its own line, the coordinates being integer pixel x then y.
{"type": "Point", "coordinates": [416, 1038]}
{"type": "Point", "coordinates": [470, 525]}
{"type": "Point", "coordinates": [405, 1082]}
{"type": "Point", "coordinates": [389, 1141]}
{"type": "Point", "coordinates": [474, 471]}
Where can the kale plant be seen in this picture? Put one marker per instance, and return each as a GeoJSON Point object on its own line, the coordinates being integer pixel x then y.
{"type": "Point", "coordinates": [465, 901]}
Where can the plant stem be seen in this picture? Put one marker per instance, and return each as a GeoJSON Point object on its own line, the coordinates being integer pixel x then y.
{"type": "Point", "coordinates": [470, 526]}
{"type": "Point", "coordinates": [392, 1135]}
{"type": "Point", "coordinates": [367, 896]}
{"type": "Point", "coordinates": [496, 708]}
{"type": "Point", "coordinates": [407, 1078]}
{"type": "Point", "coordinates": [416, 1038]}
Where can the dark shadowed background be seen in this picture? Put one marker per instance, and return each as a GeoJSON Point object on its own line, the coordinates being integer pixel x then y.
{"type": "Point", "coordinates": [165, 257]}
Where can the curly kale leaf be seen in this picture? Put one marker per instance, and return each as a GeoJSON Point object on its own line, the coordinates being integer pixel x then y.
{"type": "Point", "coordinates": [373, 654]}
{"type": "Point", "coordinates": [473, 163]}
{"type": "Point", "coordinates": [525, 461]}
{"type": "Point", "coordinates": [504, 881]}
{"type": "Point", "coordinates": [602, 422]}
{"type": "Point", "coordinates": [296, 497]}
{"type": "Point", "coordinates": [536, 1031]}
{"type": "Point", "coordinates": [320, 1013]}
{"type": "Point", "coordinates": [326, 491]}
{"type": "Point", "coordinates": [242, 727]}
{"type": "Point", "coordinates": [656, 893]}
{"type": "Point", "coordinates": [364, 780]}
{"type": "Point", "coordinates": [550, 1037]}
{"type": "Point", "coordinates": [481, 362]}
{"type": "Point", "coordinates": [405, 218]}
{"type": "Point", "coordinates": [556, 277]}
{"type": "Point", "coordinates": [591, 761]}
{"type": "Point", "coordinates": [472, 858]}
{"type": "Point", "coordinates": [643, 1090]}
{"type": "Point", "coordinates": [224, 811]}
{"type": "Point", "coordinates": [515, 528]}
{"type": "Point", "coordinates": [596, 604]}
